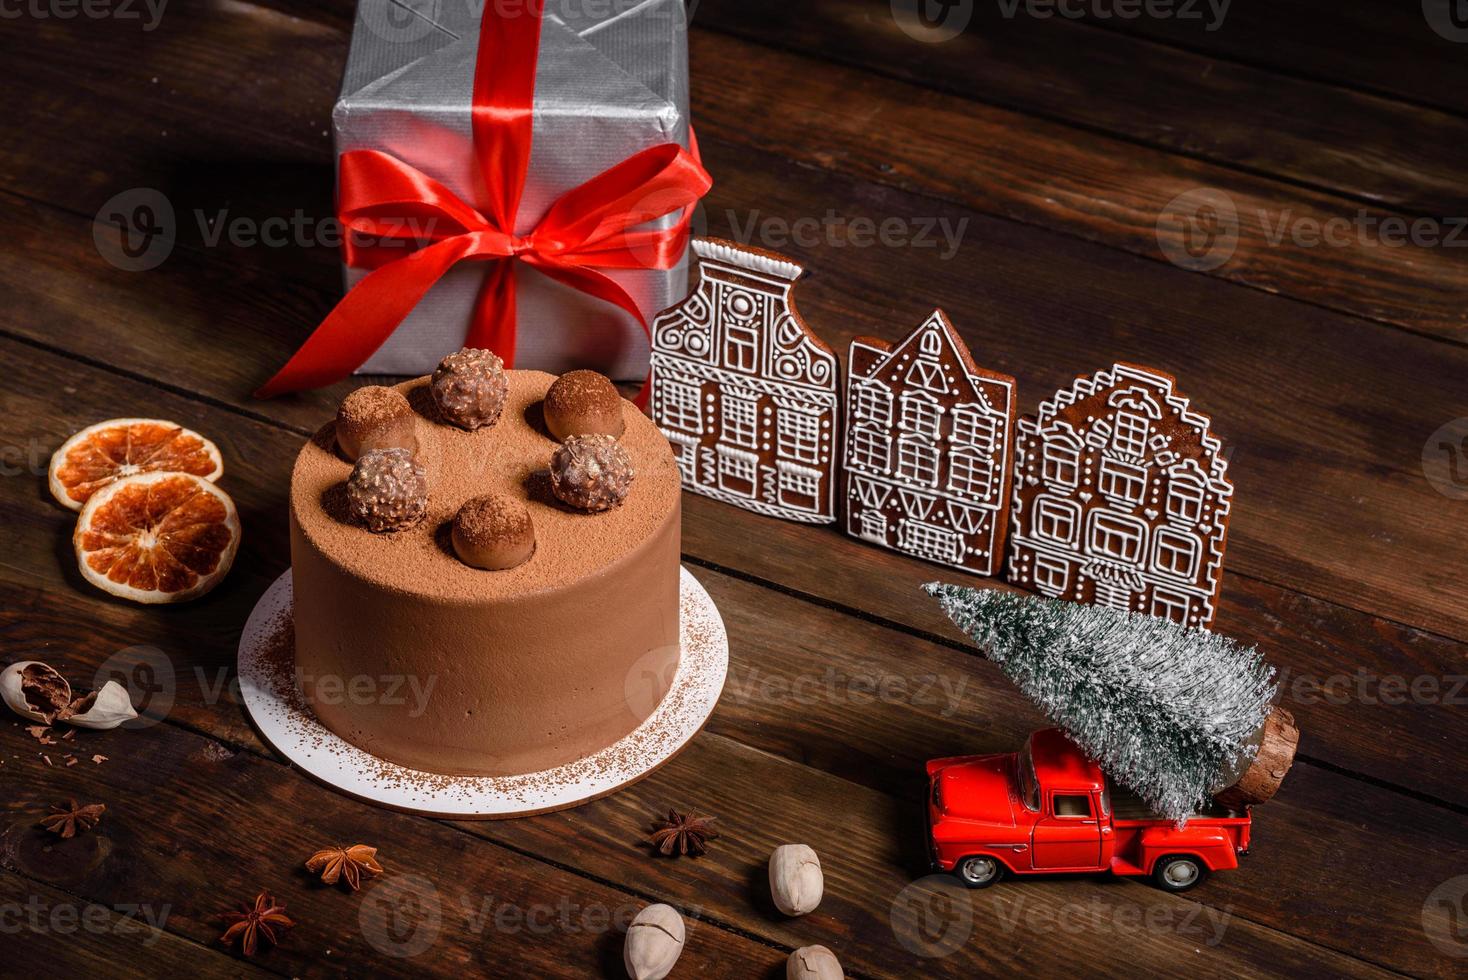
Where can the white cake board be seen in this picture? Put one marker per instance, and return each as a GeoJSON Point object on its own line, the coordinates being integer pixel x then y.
{"type": "Point", "coordinates": [275, 705]}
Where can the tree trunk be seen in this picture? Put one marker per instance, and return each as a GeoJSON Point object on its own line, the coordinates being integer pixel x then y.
{"type": "Point", "coordinates": [1278, 739]}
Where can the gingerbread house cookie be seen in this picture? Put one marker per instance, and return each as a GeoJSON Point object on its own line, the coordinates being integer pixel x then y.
{"type": "Point", "coordinates": [929, 448]}
{"type": "Point", "coordinates": [744, 391]}
{"type": "Point", "coordinates": [1121, 498]}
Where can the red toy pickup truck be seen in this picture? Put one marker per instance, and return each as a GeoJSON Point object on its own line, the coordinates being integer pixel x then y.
{"type": "Point", "coordinates": [1048, 808]}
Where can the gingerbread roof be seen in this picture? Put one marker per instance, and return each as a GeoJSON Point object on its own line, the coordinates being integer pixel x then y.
{"type": "Point", "coordinates": [1117, 377]}
{"type": "Point", "coordinates": [753, 260]}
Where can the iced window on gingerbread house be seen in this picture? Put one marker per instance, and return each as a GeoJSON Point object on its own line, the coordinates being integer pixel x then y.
{"type": "Point", "coordinates": [1123, 481]}
{"type": "Point", "coordinates": [737, 471]}
{"type": "Point", "coordinates": [800, 486]}
{"type": "Point", "coordinates": [931, 343]}
{"type": "Point", "coordinates": [972, 426]}
{"type": "Point", "coordinates": [873, 524]}
{"type": "Point", "coordinates": [1117, 536]}
{"type": "Point", "coordinates": [681, 406]}
{"type": "Point", "coordinates": [873, 404]}
{"type": "Point", "coordinates": [970, 472]}
{"type": "Point", "coordinates": [1056, 519]}
{"type": "Point", "coordinates": [871, 448]}
{"type": "Point", "coordinates": [917, 460]}
{"type": "Point", "coordinates": [1170, 605]}
{"type": "Point", "coordinates": [799, 433]}
{"type": "Point", "coordinates": [741, 342]}
{"type": "Point", "coordinates": [1052, 575]}
{"type": "Point", "coordinates": [1185, 500]}
{"type": "Point", "coordinates": [1062, 464]}
{"type": "Point", "coordinates": [740, 415]}
{"type": "Point", "coordinates": [1177, 553]}
{"type": "Point", "coordinates": [937, 543]}
{"type": "Point", "coordinates": [1130, 436]}
{"type": "Point", "coordinates": [920, 415]}
{"type": "Point", "coordinates": [685, 453]}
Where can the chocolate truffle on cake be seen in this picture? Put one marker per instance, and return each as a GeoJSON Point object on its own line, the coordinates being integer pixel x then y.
{"type": "Point", "coordinates": [591, 472]}
{"type": "Point", "coordinates": [470, 387]}
{"type": "Point", "coordinates": [374, 418]}
{"type": "Point", "coordinates": [583, 403]}
{"type": "Point", "coordinates": [388, 490]}
{"type": "Point", "coordinates": [493, 532]}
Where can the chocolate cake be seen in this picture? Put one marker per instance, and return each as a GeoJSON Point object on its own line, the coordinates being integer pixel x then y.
{"type": "Point", "coordinates": [420, 658]}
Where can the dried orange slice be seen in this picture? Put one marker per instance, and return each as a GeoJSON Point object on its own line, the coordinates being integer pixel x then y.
{"type": "Point", "coordinates": [157, 537]}
{"type": "Point", "coordinates": [109, 451]}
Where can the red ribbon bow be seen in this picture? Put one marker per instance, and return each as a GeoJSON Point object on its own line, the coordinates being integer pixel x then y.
{"type": "Point", "coordinates": [586, 229]}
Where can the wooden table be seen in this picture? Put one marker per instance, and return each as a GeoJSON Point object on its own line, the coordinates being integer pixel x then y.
{"type": "Point", "coordinates": [1056, 145]}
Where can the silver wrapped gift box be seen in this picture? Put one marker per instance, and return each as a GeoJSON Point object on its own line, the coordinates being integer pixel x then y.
{"type": "Point", "coordinates": [612, 80]}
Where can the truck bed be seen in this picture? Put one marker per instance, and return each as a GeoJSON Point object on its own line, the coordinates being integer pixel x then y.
{"type": "Point", "coordinates": [1126, 805]}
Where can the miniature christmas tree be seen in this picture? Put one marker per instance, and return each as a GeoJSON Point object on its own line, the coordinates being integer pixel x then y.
{"type": "Point", "coordinates": [1174, 713]}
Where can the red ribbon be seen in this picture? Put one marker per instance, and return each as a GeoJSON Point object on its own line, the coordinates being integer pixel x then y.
{"type": "Point", "coordinates": [588, 228]}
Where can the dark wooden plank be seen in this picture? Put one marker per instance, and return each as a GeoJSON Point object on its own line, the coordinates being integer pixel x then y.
{"type": "Point", "coordinates": [780, 644]}
{"type": "Point", "coordinates": [88, 937]}
{"type": "Point", "coordinates": [1397, 49]}
{"type": "Point", "coordinates": [1348, 677]}
{"type": "Point", "coordinates": [197, 826]}
{"type": "Point", "coordinates": [872, 706]}
{"type": "Point", "coordinates": [1315, 134]}
{"type": "Point", "coordinates": [870, 857]}
{"type": "Point", "coordinates": [868, 871]}
{"type": "Point", "coordinates": [1084, 184]}
{"type": "Point", "coordinates": [1283, 381]}
{"type": "Point", "coordinates": [997, 161]}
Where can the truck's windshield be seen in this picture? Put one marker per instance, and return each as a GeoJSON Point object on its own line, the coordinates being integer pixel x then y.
{"type": "Point", "coordinates": [1029, 785]}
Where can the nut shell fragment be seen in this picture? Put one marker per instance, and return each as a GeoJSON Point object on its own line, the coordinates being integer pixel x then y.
{"type": "Point", "coordinates": [813, 963]}
{"type": "Point", "coordinates": [34, 690]}
{"type": "Point", "coordinates": [654, 942]}
{"type": "Point", "coordinates": [796, 882]}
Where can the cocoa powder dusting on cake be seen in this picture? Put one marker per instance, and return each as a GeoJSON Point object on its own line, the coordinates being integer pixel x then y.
{"type": "Point", "coordinates": [493, 532]}
{"type": "Point", "coordinates": [278, 659]}
{"type": "Point", "coordinates": [492, 518]}
{"type": "Point", "coordinates": [636, 755]}
{"type": "Point", "coordinates": [371, 406]}
{"type": "Point", "coordinates": [508, 459]}
{"type": "Point", "coordinates": [374, 418]}
{"type": "Point", "coordinates": [583, 403]}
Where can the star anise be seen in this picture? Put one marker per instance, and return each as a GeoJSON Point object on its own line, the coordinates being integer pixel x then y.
{"type": "Point", "coordinates": [65, 819]}
{"type": "Point", "coordinates": [345, 864]}
{"type": "Point", "coordinates": [250, 926]}
{"type": "Point", "coordinates": [682, 833]}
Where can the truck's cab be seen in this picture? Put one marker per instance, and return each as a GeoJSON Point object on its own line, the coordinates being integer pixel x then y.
{"type": "Point", "coordinates": [1048, 808]}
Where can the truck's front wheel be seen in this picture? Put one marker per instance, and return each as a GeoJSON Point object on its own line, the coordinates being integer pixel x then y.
{"type": "Point", "coordinates": [1178, 873]}
{"type": "Point", "coordinates": [978, 871]}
